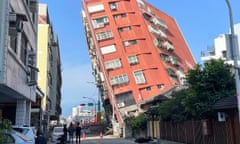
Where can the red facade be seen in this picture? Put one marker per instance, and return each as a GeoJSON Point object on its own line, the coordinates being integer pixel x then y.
{"type": "Point", "coordinates": [139, 50]}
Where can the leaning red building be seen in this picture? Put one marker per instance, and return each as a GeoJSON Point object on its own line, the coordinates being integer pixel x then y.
{"type": "Point", "coordinates": [138, 54]}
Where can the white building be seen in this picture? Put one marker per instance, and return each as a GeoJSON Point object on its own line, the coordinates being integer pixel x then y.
{"type": "Point", "coordinates": [221, 48]}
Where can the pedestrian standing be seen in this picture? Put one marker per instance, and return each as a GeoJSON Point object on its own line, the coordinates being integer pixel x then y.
{"type": "Point", "coordinates": [40, 138]}
{"type": "Point", "coordinates": [65, 130]}
{"type": "Point", "coordinates": [71, 131]}
{"type": "Point", "coordinates": [78, 133]}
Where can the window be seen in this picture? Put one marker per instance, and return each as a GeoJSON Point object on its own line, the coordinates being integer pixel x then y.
{"type": "Point", "coordinates": [104, 35]}
{"type": "Point", "coordinates": [23, 54]}
{"type": "Point", "coordinates": [13, 41]}
{"type": "Point", "coordinates": [127, 28]}
{"type": "Point", "coordinates": [120, 79]}
{"type": "Point", "coordinates": [95, 8]}
{"type": "Point", "coordinates": [159, 22]}
{"type": "Point", "coordinates": [164, 57]}
{"type": "Point", "coordinates": [100, 22]}
{"type": "Point", "coordinates": [139, 77]}
{"type": "Point", "coordinates": [113, 64]}
{"type": "Point", "coordinates": [108, 49]}
{"type": "Point", "coordinates": [120, 29]}
{"type": "Point", "coordinates": [173, 60]}
{"type": "Point", "coordinates": [160, 86]}
{"type": "Point", "coordinates": [123, 15]}
{"type": "Point", "coordinates": [32, 69]}
{"type": "Point", "coordinates": [126, 43]}
{"type": "Point", "coordinates": [131, 42]}
{"type": "Point", "coordinates": [113, 6]}
{"type": "Point", "coordinates": [116, 17]}
{"type": "Point", "coordinates": [171, 72]}
{"type": "Point", "coordinates": [148, 88]}
{"type": "Point", "coordinates": [132, 59]}
{"type": "Point", "coordinates": [169, 46]}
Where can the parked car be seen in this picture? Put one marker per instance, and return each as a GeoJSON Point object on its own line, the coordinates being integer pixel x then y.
{"type": "Point", "coordinates": [27, 131]}
{"type": "Point", "coordinates": [57, 133]}
{"type": "Point", "coordinates": [14, 137]}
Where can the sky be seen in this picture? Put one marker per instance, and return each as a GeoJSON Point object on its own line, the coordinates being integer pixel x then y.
{"type": "Point", "coordinates": [200, 21]}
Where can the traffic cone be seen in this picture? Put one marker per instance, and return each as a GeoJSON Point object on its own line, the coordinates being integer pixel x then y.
{"type": "Point", "coordinates": [83, 135]}
{"type": "Point", "coordinates": [101, 136]}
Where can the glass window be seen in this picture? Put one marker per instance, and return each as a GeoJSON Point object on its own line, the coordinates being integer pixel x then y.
{"type": "Point", "coordinates": [132, 59]}
{"type": "Point", "coordinates": [133, 42]}
{"type": "Point", "coordinates": [139, 77]}
{"type": "Point", "coordinates": [120, 29]}
{"type": "Point", "coordinates": [148, 88]}
{"type": "Point", "coordinates": [113, 64]}
{"type": "Point", "coordinates": [113, 6]}
{"type": "Point", "coordinates": [120, 79]}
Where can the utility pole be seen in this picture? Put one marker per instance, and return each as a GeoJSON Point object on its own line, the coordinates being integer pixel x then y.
{"type": "Point", "coordinates": [235, 55]}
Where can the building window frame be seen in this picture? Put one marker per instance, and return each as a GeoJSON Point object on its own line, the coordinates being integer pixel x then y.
{"type": "Point", "coordinates": [139, 77]}
{"type": "Point", "coordinates": [118, 80]}
{"type": "Point", "coordinates": [132, 59]}
{"type": "Point", "coordinates": [113, 64]}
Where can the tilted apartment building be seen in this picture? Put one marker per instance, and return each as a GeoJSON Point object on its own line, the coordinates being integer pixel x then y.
{"type": "Point", "coordinates": [18, 46]}
{"type": "Point", "coordinates": [138, 54]}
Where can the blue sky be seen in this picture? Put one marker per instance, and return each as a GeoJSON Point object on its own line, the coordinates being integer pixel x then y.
{"type": "Point", "coordinates": [200, 22]}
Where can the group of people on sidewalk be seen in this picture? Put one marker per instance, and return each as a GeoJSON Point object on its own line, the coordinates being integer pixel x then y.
{"type": "Point", "coordinates": [71, 130]}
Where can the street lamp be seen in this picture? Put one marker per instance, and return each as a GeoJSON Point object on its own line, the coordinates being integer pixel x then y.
{"type": "Point", "coordinates": [98, 103]}
{"type": "Point", "coordinates": [94, 102]}
{"type": "Point", "coordinates": [234, 54]}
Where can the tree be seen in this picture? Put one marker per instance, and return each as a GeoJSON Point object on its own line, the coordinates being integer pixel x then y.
{"type": "Point", "coordinates": [5, 125]}
{"type": "Point", "coordinates": [207, 84]}
{"type": "Point", "coordinates": [137, 123]}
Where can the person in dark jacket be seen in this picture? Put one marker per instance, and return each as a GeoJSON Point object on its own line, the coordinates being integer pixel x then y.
{"type": "Point", "coordinates": [65, 132]}
{"type": "Point", "coordinates": [78, 133]}
{"type": "Point", "coordinates": [40, 138]}
{"type": "Point", "coordinates": [71, 131]}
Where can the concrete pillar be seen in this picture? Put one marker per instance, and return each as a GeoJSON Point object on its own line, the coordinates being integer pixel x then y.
{"type": "Point", "coordinates": [21, 109]}
{"type": "Point", "coordinates": [28, 113]}
{"type": "Point", "coordinates": [3, 35]}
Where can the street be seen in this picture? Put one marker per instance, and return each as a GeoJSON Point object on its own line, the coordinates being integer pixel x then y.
{"type": "Point", "coordinates": [103, 140]}
{"type": "Point", "coordinates": [107, 140]}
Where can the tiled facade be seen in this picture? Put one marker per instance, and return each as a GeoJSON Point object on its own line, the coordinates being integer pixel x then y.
{"type": "Point", "coordinates": [138, 54]}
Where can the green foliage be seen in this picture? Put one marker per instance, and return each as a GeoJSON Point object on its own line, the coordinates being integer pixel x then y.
{"type": "Point", "coordinates": [137, 123]}
{"type": "Point", "coordinates": [207, 84]}
{"type": "Point", "coordinates": [5, 125]}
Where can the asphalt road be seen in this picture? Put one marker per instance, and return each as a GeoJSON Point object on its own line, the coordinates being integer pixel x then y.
{"type": "Point", "coordinates": [103, 140]}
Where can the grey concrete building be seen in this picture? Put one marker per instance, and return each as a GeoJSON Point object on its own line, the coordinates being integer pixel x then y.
{"type": "Point", "coordinates": [18, 46]}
